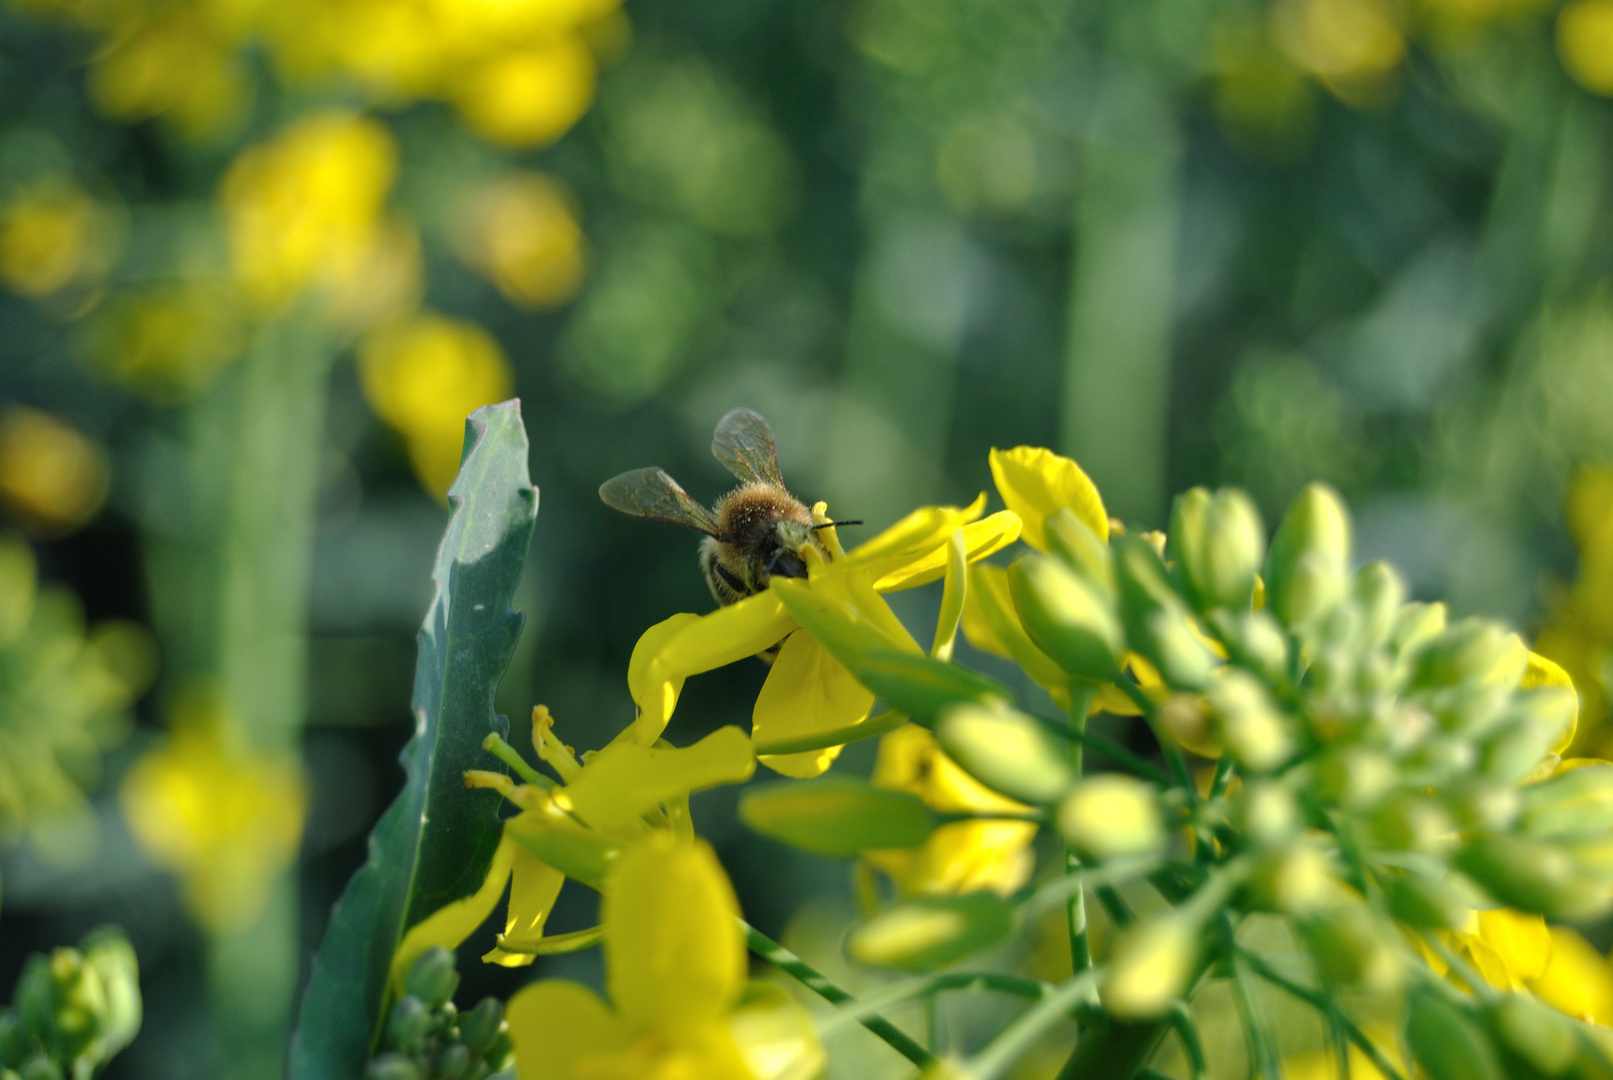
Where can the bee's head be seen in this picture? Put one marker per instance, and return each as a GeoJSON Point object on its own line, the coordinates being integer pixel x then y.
{"type": "Point", "coordinates": [785, 559]}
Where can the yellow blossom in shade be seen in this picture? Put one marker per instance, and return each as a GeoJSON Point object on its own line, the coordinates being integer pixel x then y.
{"type": "Point", "coordinates": [675, 972]}
{"type": "Point", "coordinates": [225, 819]}
{"type": "Point", "coordinates": [51, 475]}
{"type": "Point", "coordinates": [527, 96]}
{"type": "Point", "coordinates": [423, 375]}
{"type": "Point", "coordinates": [1577, 979]}
{"type": "Point", "coordinates": [166, 342]}
{"type": "Point", "coordinates": [619, 795]}
{"type": "Point", "coordinates": [521, 234]}
{"type": "Point", "coordinates": [1034, 482]}
{"type": "Point", "coordinates": [303, 208]}
{"type": "Point", "coordinates": [1352, 46]}
{"type": "Point", "coordinates": [810, 692]}
{"type": "Point", "coordinates": [1585, 40]}
{"type": "Point", "coordinates": [963, 856]}
{"type": "Point", "coordinates": [54, 234]}
{"type": "Point", "coordinates": [176, 71]}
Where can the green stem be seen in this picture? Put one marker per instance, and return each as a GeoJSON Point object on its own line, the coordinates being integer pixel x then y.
{"type": "Point", "coordinates": [1173, 755]}
{"type": "Point", "coordinates": [1115, 906]}
{"type": "Point", "coordinates": [1324, 1004]}
{"type": "Point", "coordinates": [1262, 1058]}
{"type": "Point", "coordinates": [553, 944]}
{"type": "Point", "coordinates": [1109, 749]}
{"type": "Point", "coordinates": [1010, 1043]}
{"type": "Point", "coordinates": [930, 985]}
{"type": "Point", "coordinates": [1075, 906]}
{"type": "Point", "coordinates": [1223, 777]}
{"type": "Point", "coordinates": [1187, 1033]}
{"type": "Point", "coordinates": [494, 744]}
{"type": "Point", "coordinates": [887, 721]}
{"type": "Point", "coordinates": [1115, 1052]}
{"type": "Point", "coordinates": [832, 992]}
{"type": "Point", "coordinates": [1476, 982]}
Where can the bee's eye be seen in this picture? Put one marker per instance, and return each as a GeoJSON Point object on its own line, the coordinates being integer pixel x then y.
{"type": "Point", "coordinates": [786, 563]}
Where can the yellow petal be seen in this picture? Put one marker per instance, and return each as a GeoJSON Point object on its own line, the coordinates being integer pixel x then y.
{"type": "Point", "coordinates": [1544, 672]}
{"type": "Point", "coordinates": [911, 760]}
{"type": "Point", "coordinates": [1578, 980]}
{"type": "Point", "coordinates": [980, 539]}
{"type": "Point", "coordinates": [453, 923]}
{"type": "Point", "coordinates": [1522, 941]}
{"type": "Point", "coordinates": [992, 625]}
{"type": "Point", "coordinates": [807, 692]}
{"type": "Point", "coordinates": [711, 641]}
{"type": "Point", "coordinates": [650, 644]}
{"type": "Point", "coordinates": [1034, 482]}
{"type": "Point", "coordinates": [909, 540]}
{"type": "Point", "coordinates": [554, 1023]}
{"type": "Point", "coordinates": [623, 781]}
{"type": "Point", "coordinates": [534, 887]}
{"type": "Point", "coordinates": [775, 1036]}
{"type": "Point", "coordinates": [965, 856]}
{"type": "Point", "coordinates": [674, 953]}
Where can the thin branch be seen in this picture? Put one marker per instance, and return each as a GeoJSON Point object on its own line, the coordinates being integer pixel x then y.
{"type": "Point", "coordinates": [1320, 1001]}
{"type": "Point", "coordinates": [1010, 1043]}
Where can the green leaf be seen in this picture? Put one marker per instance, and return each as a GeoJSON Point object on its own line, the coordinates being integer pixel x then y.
{"type": "Point", "coordinates": [465, 644]}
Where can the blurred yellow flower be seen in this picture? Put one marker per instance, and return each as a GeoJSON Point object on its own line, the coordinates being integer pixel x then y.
{"type": "Point", "coordinates": [54, 234]}
{"type": "Point", "coordinates": [963, 856]}
{"type": "Point", "coordinates": [521, 234]}
{"type": "Point", "coordinates": [304, 208]}
{"type": "Point", "coordinates": [51, 475]}
{"type": "Point", "coordinates": [227, 820]}
{"type": "Point", "coordinates": [1585, 39]}
{"type": "Point", "coordinates": [1579, 635]}
{"type": "Point", "coordinates": [167, 342]}
{"type": "Point", "coordinates": [1351, 46]}
{"type": "Point", "coordinates": [423, 375]}
{"type": "Point", "coordinates": [675, 972]}
{"type": "Point", "coordinates": [527, 96]}
{"type": "Point", "coordinates": [1260, 96]}
{"type": "Point", "coordinates": [1577, 979]}
{"type": "Point", "coordinates": [173, 70]}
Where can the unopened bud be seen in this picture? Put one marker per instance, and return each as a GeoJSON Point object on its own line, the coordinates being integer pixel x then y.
{"type": "Point", "coordinates": [392, 1066]}
{"type": "Point", "coordinates": [1150, 968]}
{"type": "Point", "coordinates": [1267, 814]}
{"type": "Point", "coordinates": [1446, 1043]}
{"type": "Point", "coordinates": [1256, 640]}
{"type": "Point", "coordinates": [1577, 801]}
{"type": "Point", "coordinates": [409, 1024]}
{"type": "Point", "coordinates": [922, 686]}
{"type": "Point", "coordinates": [1531, 875]}
{"type": "Point", "coordinates": [1184, 718]}
{"type": "Point", "coordinates": [930, 932]}
{"type": "Point", "coordinates": [1005, 750]}
{"type": "Point", "coordinates": [1476, 803]}
{"type": "Point", "coordinates": [1067, 617]}
{"type": "Point", "coordinates": [1355, 777]}
{"type": "Point", "coordinates": [1184, 540]}
{"type": "Point", "coordinates": [1414, 626]}
{"type": "Point", "coordinates": [1309, 559]}
{"type": "Point", "coordinates": [836, 815]}
{"type": "Point", "coordinates": [39, 1067]}
{"type": "Point", "coordinates": [432, 977]}
{"type": "Point", "coordinates": [479, 1027]}
{"type": "Point", "coordinates": [453, 1061]}
{"type": "Point", "coordinates": [1354, 947]}
{"type": "Point", "coordinates": [1472, 650]}
{"type": "Point", "coordinates": [108, 953]}
{"type": "Point", "coordinates": [1379, 594]}
{"type": "Point", "coordinates": [1234, 547]}
{"type": "Point", "coordinates": [1252, 728]}
{"type": "Point", "coordinates": [584, 855]}
{"type": "Point", "coordinates": [1537, 721]}
{"type": "Point", "coordinates": [1081, 549]}
{"type": "Point", "coordinates": [1540, 1035]}
{"type": "Point", "coordinates": [1408, 822]}
{"type": "Point", "coordinates": [1179, 653]}
{"type": "Point", "coordinates": [1428, 903]}
{"type": "Point", "coordinates": [1296, 880]}
{"type": "Point", "coordinates": [1111, 816]}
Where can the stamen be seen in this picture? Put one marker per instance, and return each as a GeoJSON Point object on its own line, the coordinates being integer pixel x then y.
{"type": "Point", "coordinates": [551, 749]}
{"type": "Point", "coordinates": [495, 745]}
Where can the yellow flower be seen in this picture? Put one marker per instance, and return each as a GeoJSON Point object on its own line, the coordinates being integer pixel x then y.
{"type": "Point", "coordinates": [521, 234]}
{"type": "Point", "coordinates": [1351, 46]}
{"type": "Point", "coordinates": [52, 235]}
{"type": "Point", "coordinates": [530, 95]}
{"type": "Point", "coordinates": [423, 375]}
{"type": "Point", "coordinates": [807, 691]}
{"type": "Point", "coordinates": [304, 207]}
{"type": "Point", "coordinates": [1585, 39]}
{"type": "Point", "coordinates": [167, 342]}
{"type": "Point", "coordinates": [963, 856]}
{"type": "Point", "coordinates": [675, 972]}
{"type": "Point", "coordinates": [174, 70]}
{"type": "Point", "coordinates": [51, 475]}
{"type": "Point", "coordinates": [1519, 952]}
{"type": "Point", "coordinates": [1577, 979]}
{"type": "Point", "coordinates": [1035, 482]}
{"type": "Point", "coordinates": [227, 821]}
{"type": "Point", "coordinates": [619, 796]}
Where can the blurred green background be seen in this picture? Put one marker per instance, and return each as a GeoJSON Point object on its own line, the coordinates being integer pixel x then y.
{"type": "Point", "coordinates": [257, 261]}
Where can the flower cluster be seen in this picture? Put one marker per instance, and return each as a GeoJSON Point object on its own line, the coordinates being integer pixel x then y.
{"type": "Point", "coordinates": [427, 1038]}
{"type": "Point", "coordinates": [72, 1010]}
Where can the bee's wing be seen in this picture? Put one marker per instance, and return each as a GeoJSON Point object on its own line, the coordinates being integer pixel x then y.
{"type": "Point", "coordinates": [651, 493]}
{"type": "Point", "coordinates": [744, 444]}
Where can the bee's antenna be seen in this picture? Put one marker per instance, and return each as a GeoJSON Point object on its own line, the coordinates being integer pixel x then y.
{"type": "Point", "coordinates": [828, 524]}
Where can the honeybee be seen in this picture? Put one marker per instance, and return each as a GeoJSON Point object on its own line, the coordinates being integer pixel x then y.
{"type": "Point", "coordinates": [754, 533]}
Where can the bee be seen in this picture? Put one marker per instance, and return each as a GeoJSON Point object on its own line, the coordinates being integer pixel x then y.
{"type": "Point", "coordinates": [754, 533]}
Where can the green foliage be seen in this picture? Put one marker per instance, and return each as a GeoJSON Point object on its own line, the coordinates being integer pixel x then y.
{"type": "Point", "coordinates": [465, 644]}
{"type": "Point", "coordinates": [427, 1038]}
{"type": "Point", "coordinates": [72, 1011]}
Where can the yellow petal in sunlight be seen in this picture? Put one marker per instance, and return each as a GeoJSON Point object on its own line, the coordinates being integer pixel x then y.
{"type": "Point", "coordinates": [1578, 980]}
{"type": "Point", "coordinates": [554, 1023]}
{"type": "Point", "coordinates": [1034, 482]}
{"type": "Point", "coordinates": [534, 887]}
{"type": "Point", "coordinates": [1522, 941]}
{"type": "Point", "coordinates": [625, 780]}
{"type": "Point", "coordinates": [453, 923]}
{"type": "Point", "coordinates": [919, 534]}
{"type": "Point", "coordinates": [1544, 672]}
{"type": "Point", "coordinates": [808, 691]}
{"type": "Point", "coordinates": [674, 953]}
{"type": "Point", "coordinates": [981, 538]}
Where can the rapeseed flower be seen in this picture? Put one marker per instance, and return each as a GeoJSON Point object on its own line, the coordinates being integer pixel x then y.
{"type": "Point", "coordinates": [808, 692]}
{"type": "Point", "coordinates": [54, 234]}
{"type": "Point", "coordinates": [675, 973]}
{"type": "Point", "coordinates": [521, 234]}
{"type": "Point", "coordinates": [167, 342]}
{"type": "Point", "coordinates": [51, 475]}
{"type": "Point", "coordinates": [1585, 40]}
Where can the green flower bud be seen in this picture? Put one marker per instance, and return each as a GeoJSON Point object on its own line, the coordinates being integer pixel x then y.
{"type": "Point", "coordinates": [1440, 758]}
{"type": "Point", "coordinates": [1379, 593]}
{"type": "Point", "coordinates": [39, 1067]}
{"type": "Point", "coordinates": [1255, 639]}
{"type": "Point", "coordinates": [1110, 816]}
{"type": "Point", "coordinates": [836, 815]}
{"type": "Point", "coordinates": [1067, 617]}
{"type": "Point", "coordinates": [1354, 947]}
{"type": "Point", "coordinates": [1252, 728]}
{"type": "Point", "coordinates": [1005, 750]}
{"type": "Point", "coordinates": [1353, 777]}
{"type": "Point", "coordinates": [1081, 549]}
{"type": "Point", "coordinates": [1446, 1043]}
{"type": "Point", "coordinates": [1577, 801]}
{"type": "Point", "coordinates": [1309, 559]}
{"type": "Point", "coordinates": [932, 931]}
{"type": "Point", "coordinates": [1217, 543]}
{"type": "Point", "coordinates": [1476, 803]}
{"type": "Point", "coordinates": [15, 1042]}
{"type": "Point", "coordinates": [1470, 710]}
{"type": "Point", "coordinates": [1182, 658]}
{"type": "Point", "coordinates": [1184, 539]}
{"type": "Point", "coordinates": [1295, 880]}
{"type": "Point", "coordinates": [922, 686]}
{"type": "Point", "coordinates": [1267, 814]}
{"type": "Point", "coordinates": [432, 977]}
{"type": "Point", "coordinates": [1542, 1037]}
{"type": "Point", "coordinates": [409, 1024]}
{"type": "Point", "coordinates": [392, 1066]}
{"type": "Point", "coordinates": [1415, 626]}
{"type": "Point", "coordinates": [479, 1027]}
{"type": "Point", "coordinates": [1592, 855]}
{"type": "Point", "coordinates": [1537, 721]}
{"type": "Point", "coordinates": [453, 1061]}
{"type": "Point", "coordinates": [1531, 876]}
{"type": "Point", "coordinates": [1428, 903]}
{"type": "Point", "coordinates": [1472, 650]}
{"type": "Point", "coordinates": [1150, 967]}
{"type": "Point", "coordinates": [1155, 618]}
{"type": "Point", "coordinates": [1410, 822]}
